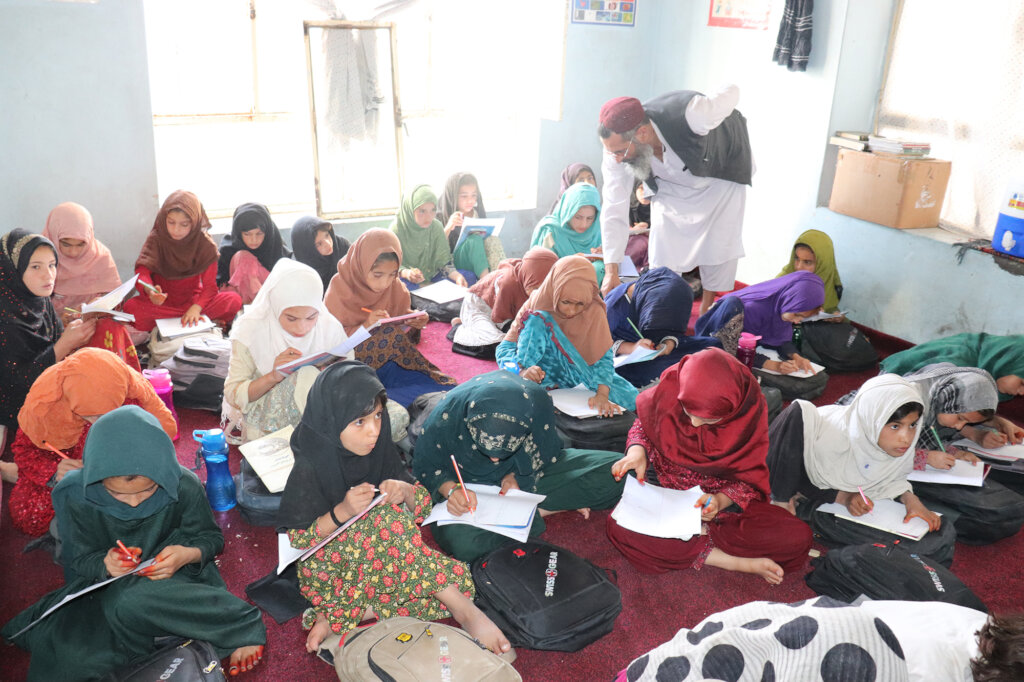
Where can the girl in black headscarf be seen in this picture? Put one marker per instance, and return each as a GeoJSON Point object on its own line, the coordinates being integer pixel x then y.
{"type": "Point", "coordinates": [248, 254]}
{"type": "Point", "coordinates": [31, 334]}
{"type": "Point", "coordinates": [379, 565]}
{"type": "Point", "coordinates": [315, 244]}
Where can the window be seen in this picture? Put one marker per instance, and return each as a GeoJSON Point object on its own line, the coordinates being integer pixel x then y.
{"type": "Point", "coordinates": [955, 78]}
{"type": "Point", "coordinates": [231, 85]}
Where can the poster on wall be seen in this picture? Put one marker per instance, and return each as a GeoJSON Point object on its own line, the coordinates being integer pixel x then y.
{"type": "Point", "coordinates": [739, 13]}
{"type": "Point", "coordinates": [605, 12]}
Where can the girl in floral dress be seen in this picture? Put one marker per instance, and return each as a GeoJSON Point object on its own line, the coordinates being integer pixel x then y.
{"type": "Point", "coordinates": [380, 566]}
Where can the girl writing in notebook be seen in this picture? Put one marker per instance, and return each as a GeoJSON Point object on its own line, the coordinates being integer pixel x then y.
{"type": "Point", "coordinates": [706, 425]}
{"type": "Point", "coordinates": [379, 566]}
{"type": "Point", "coordinates": [460, 200]}
{"type": "Point", "coordinates": [132, 493]}
{"type": "Point", "coordinates": [178, 269]}
{"type": "Point", "coordinates": [366, 290]}
{"type": "Point", "coordinates": [855, 455]}
{"type": "Point", "coordinates": [501, 431]}
{"type": "Point", "coordinates": [60, 407]}
{"type": "Point", "coordinates": [286, 322]}
{"type": "Point", "coordinates": [561, 338]}
{"type": "Point", "coordinates": [428, 257]}
{"type": "Point", "coordinates": [769, 310]}
{"type": "Point", "coordinates": [249, 253]}
{"type": "Point", "coordinates": [574, 227]}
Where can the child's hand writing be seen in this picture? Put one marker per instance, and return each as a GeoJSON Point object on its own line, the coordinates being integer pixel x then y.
{"type": "Point", "coordinates": [941, 460]}
{"type": "Point", "coordinates": [156, 295]}
{"type": "Point", "coordinates": [66, 465]}
{"type": "Point", "coordinates": [634, 460]}
{"type": "Point", "coordinates": [855, 503]}
{"type": "Point", "coordinates": [458, 279]}
{"type": "Point", "coordinates": [604, 407]}
{"type": "Point", "coordinates": [399, 492]}
{"type": "Point", "coordinates": [117, 563]}
{"type": "Point", "coordinates": [457, 501]}
{"type": "Point", "coordinates": [1014, 434]}
{"type": "Point", "coordinates": [375, 317]}
{"type": "Point", "coordinates": [287, 355]}
{"type": "Point", "coordinates": [355, 501]}
{"type": "Point", "coordinates": [169, 560]}
{"type": "Point", "coordinates": [711, 504]}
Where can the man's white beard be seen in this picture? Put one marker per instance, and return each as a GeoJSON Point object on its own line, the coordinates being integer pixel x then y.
{"type": "Point", "coordinates": [640, 164]}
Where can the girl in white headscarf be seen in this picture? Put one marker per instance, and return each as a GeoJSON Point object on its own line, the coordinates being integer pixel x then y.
{"type": "Point", "coordinates": [818, 455]}
{"type": "Point", "coordinates": [286, 321]}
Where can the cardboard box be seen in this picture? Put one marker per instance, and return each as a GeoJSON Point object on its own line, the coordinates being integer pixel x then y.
{"type": "Point", "coordinates": [889, 190]}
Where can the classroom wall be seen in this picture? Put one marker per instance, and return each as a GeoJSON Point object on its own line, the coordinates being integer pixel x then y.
{"type": "Point", "coordinates": [907, 283]}
{"type": "Point", "coordinates": [75, 118]}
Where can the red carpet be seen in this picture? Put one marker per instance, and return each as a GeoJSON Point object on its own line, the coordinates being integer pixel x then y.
{"type": "Point", "coordinates": [654, 606]}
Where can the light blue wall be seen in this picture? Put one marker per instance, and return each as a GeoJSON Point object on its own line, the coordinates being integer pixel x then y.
{"type": "Point", "coordinates": [75, 118]}
{"type": "Point", "coordinates": [903, 282]}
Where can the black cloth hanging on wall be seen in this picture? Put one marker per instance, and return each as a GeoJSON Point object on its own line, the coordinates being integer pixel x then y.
{"type": "Point", "coordinates": [793, 46]}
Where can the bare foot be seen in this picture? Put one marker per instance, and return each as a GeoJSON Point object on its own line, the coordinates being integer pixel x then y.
{"type": "Point", "coordinates": [456, 321]}
{"type": "Point", "coordinates": [245, 658]}
{"type": "Point", "coordinates": [764, 567]}
{"type": "Point", "coordinates": [9, 472]}
{"type": "Point", "coordinates": [473, 620]}
{"type": "Point", "coordinates": [317, 633]}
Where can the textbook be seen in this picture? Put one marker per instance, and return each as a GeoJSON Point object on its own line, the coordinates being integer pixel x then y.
{"type": "Point", "coordinates": [287, 555]}
{"type": "Point", "coordinates": [886, 515]}
{"type": "Point", "coordinates": [658, 512]}
{"type": "Point", "coordinates": [639, 354]}
{"type": "Point", "coordinates": [171, 327]}
{"type": "Point", "coordinates": [341, 349]}
{"type": "Point", "coordinates": [271, 458]}
{"type": "Point", "coordinates": [441, 292]}
{"type": "Point", "coordinates": [962, 473]}
{"type": "Point", "coordinates": [106, 304]}
{"type": "Point", "coordinates": [487, 227]}
{"type": "Point", "coordinates": [574, 401]}
{"type": "Point", "coordinates": [510, 514]}
{"type": "Point", "coordinates": [76, 595]}
{"type": "Point", "coordinates": [774, 355]}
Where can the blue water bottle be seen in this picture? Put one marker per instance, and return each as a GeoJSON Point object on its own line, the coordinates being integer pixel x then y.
{"type": "Point", "coordinates": [220, 486]}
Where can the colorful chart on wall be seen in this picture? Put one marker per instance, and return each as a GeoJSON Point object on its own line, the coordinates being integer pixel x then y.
{"type": "Point", "coordinates": [739, 13]}
{"type": "Point", "coordinates": [606, 12]}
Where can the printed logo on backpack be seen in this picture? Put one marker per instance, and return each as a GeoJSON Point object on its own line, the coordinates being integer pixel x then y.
{"type": "Point", "coordinates": [551, 574]}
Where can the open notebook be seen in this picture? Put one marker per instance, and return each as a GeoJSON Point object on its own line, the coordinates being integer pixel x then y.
{"type": "Point", "coordinates": [510, 514]}
{"type": "Point", "coordinates": [887, 515]}
{"type": "Point", "coordinates": [962, 473]}
{"type": "Point", "coordinates": [658, 512]}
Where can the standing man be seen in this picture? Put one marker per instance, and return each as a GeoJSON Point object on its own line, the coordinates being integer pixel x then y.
{"type": "Point", "coordinates": [693, 154]}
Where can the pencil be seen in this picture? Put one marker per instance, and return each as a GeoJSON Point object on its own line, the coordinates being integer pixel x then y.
{"type": "Point", "coordinates": [863, 496]}
{"type": "Point", "coordinates": [638, 333]}
{"type": "Point", "coordinates": [462, 483]}
{"type": "Point", "coordinates": [71, 310]}
{"type": "Point", "coordinates": [53, 449]}
{"type": "Point", "coordinates": [935, 432]}
{"type": "Point", "coordinates": [367, 310]}
{"type": "Point", "coordinates": [149, 286]}
{"type": "Point", "coordinates": [127, 554]}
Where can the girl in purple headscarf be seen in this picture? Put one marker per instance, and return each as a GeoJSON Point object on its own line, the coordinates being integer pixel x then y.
{"type": "Point", "coordinates": [769, 310]}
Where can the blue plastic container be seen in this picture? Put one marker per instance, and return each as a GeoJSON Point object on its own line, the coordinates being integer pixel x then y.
{"type": "Point", "coordinates": [220, 486]}
{"type": "Point", "coordinates": [1009, 235]}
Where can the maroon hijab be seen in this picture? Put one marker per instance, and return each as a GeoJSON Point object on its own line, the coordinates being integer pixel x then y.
{"type": "Point", "coordinates": [506, 289]}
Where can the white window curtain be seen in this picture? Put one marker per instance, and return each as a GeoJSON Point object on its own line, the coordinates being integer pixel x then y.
{"type": "Point", "coordinates": [956, 79]}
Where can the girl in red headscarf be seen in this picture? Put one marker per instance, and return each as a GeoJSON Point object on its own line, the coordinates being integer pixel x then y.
{"type": "Point", "coordinates": [706, 424]}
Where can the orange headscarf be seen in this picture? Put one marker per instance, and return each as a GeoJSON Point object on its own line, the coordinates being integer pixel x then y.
{"type": "Point", "coordinates": [572, 277]}
{"type": "Point", "coordinates": [349, 291]}
{"type": "Point", "coordinates": [87, 382]}
{"type": "Point", "coordinates": [178, 259]}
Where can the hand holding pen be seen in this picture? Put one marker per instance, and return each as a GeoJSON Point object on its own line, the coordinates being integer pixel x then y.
{"type": "Point", "coordinates": [709, 506]}
{"type": "Point", "coordinates": [121, 559]}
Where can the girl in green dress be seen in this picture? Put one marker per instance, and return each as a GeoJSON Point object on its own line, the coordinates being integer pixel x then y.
{"type": "Point", "coordinates": [157, 509]}
{"type": "Point", "coordinates": [501, 430]}
{"type": "Point", "coordinates": [379, 566]}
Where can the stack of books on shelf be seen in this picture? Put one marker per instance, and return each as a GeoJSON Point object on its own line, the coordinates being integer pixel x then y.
{"type": "Point", "coordinates": [850, 139]}
{"type": "Point", "coordinates": [886, 145]}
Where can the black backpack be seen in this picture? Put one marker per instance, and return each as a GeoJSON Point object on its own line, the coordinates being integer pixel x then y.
{"type": "Point", "coordinates": [258, 505]}
{"type": "Point", "coordinates": [839, 346]}
{"type": "Point", "coordinates": [595, 433]}
{"type": "Point", "coordinates": [887, 572]}
{"type": "Point", "coordinates": [545, 597]}
{"type": "Point", "coordinates": [177, 661]}
{"type": "Point", "coordinates": [793, 388]}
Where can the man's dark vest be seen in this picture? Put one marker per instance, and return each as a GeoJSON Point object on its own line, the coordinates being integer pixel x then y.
{"type": "Point", "coordinates": [723, 153]}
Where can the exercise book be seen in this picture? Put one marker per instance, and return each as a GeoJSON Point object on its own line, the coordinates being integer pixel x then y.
{"type": "Point", "coordinates": [172, 328]}
{"type": "Point", "coordinates": [444, 291]}
{"type": "Point", "coordinates": [271, 458]}
{"type": "Point", "coordinates": [485, 227]}
{"type": "Point", "coordinates": [886, 515]}
{"type": "Point", "coordinates": [1007, 453]}
{"type": "Point", "coordinates": [639, 354]}
{"type": "Point", "coordinates": [962, 473]}
{"type": "Point", "coordinates": [358, 336]}
{"type": "Point", "coordinates": [106, 304]}
{"type": "Point", "coordinates": [286, 554]}
{"type": "Point", "coordinates": [510, 514]}
{"type": "Point", "coordinates": [774, 355]}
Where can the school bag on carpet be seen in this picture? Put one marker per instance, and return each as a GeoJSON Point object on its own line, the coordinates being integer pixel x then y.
{"type": "Point", "coordinates": [438, 312]}
{"type": "Point", "coordinates": [595, 433]}
{"type": "Point", "coordinates": [258, 505]}
{"type": "Point", "coordinates": [887, 571]}
{"type": "Point", "coordinates": [404, 649]}
{"type": "Point", "coordinates": [839, 346]}
{"type": "Point", "coordinates": [198, 370]}
{"type": "Point", "coordinates": [545, 597]}
{"type": "Point", "coordinates": [420, 410]}
{"type": "Point", "coordinates": [795, 387]}
{"type": "Point", "coordinates": [773, 398]}
{"type": "Point", "coordinates": [161, 349]}
{"type": "Point", "coordinates": [179, 661]}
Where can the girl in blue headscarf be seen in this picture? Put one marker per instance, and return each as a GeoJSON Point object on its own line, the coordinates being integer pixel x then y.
{"type": "Point", "coordinates": [574, 227]}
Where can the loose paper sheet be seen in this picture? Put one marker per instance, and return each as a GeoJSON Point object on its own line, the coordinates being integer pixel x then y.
{"type": "Point", "coordinates": [962, 473]}
{"type": "Point", "coordinates": [441, 292]}
{"type": "Point", "coordinates": [658, 512]}
{"type": "Point", "coordinates": [774, 355]}
{"type": "Point", "coordinates": [510, 514]}
{"type": "Point", "coordinates": [639, 354]}
{"type": "Point", "coordinates": [887, 515]}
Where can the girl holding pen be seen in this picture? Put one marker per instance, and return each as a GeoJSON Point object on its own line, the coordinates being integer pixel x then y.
{"type": "Point", "coordinates": [855, 455]}
{"type": "Point", "coordinates": [379, 566]}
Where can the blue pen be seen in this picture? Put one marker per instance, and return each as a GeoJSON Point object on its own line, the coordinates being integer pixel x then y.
{"type": "Point", "coordinates": [707, 503]}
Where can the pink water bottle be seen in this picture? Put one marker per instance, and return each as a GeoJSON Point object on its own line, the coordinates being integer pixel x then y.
{"type": "Point", "coordinates": [161, 382]}
{"type": "Point", "coordinates": [746, 352]}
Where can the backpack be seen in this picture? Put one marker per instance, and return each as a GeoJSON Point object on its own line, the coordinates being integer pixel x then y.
{"type": "Point", "coordinates": [198, 369]}
{"type": "Point", "coordinates": [595, 433]}
{"type": "Point", "coordinates": [258, 505]}
{"type": "Point", "coordinates": [772, 398]}
{"type": "Point", "coordinates": [420, 410]}
{"type": "Point", "coordinates": [178, 661]}
{"type": "Point", "coordinates": [545, 597]}
{"type": "Point", "coordinates": [887, 571]}
{"type": "Point", "coordinates": [794, 387]}
{"type": "Point", "coordinates": [438, 312]}
{"type": "Point", "coordinates": [406, 649]}
{"type": "Point", "coordinates": [839, 346]}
